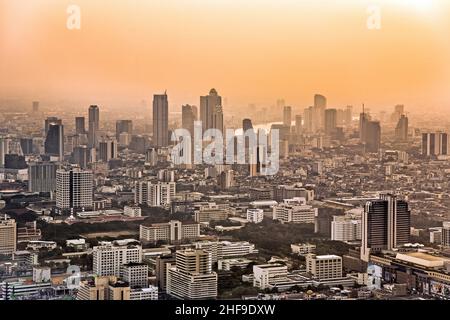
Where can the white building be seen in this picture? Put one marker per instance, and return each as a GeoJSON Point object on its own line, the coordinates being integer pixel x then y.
{"type": "Point", "coordinates": [136, 274]}
{"type": "Point", "coordinates": [192, 277]}
{"type": "Point", "coordinates": [344, 228]}
{"type": "Point", "coordinates": [226, 249]}
{"type": "Point", "coordinates": [171, 231]}
{"type": "Point", "coordinates": [154, 195]}
{"type": "Point", "coordinates": [255, 215]}
{"type": "Point", "coordinates": [303, 248]}
{"type": "Point", "coordinates": [150, 293]}
{"type": "Point", "coordinates": [132, 211]}
{"type": "Point", "coordinates": [74, 189]}
{"type": "Point", "coordinates": [294, 211]}
{"type": "Point", "coordinates": [436, 235]}
{"type": "Point", "coordinates": [42, 274]}
{"type": "Point", "coordinates": [446, 234]}
{"type": "Point", "coordinates": [109, 259]}
{"type": "Point", "coordinates": [267, 274]}
{"type": "Point", "coordinates": [324, 267]}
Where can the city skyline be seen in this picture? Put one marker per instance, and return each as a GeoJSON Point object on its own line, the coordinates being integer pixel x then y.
{"type": "Point", "coordinates": [273, 56]}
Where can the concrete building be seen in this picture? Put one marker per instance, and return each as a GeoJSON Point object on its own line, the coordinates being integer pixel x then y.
{"type": "Point", "coordinates": [345, 228]}
{"type": "Point", "coordinates": [173, 231]}
{"type": "Point", "coordinates": [267, 274]}
{"type": "Point", "coordinates": [74, 189]}
{"type": "Point", "coordinates": [132, 211]}
{"type": "Point", "coordinates": [294, 211]}
{"type": "Point", "coordinates": [135, 274]}
{"type": "Point", "coordinates": [154, 195]}
{"type": "Point", "coordinates": [192, 277]}
{"type": "Point", "coordinates": [226, 249]}
{"type": "Point", "coordinates": [324, 267]}
{"type": "Point", "coordinates": [109, 259]}
{"type": "Point", "coordinates": [255, 215]}
{"type": "Point", "coordinates": [303, 248]}
{"type": "Point", "coordinates": [8, 235]}
{"type": "Point", "coordinates": [42, 177]}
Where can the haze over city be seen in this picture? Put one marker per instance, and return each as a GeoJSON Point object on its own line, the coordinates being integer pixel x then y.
{"type": "Point", "coordinates": [253, 52]}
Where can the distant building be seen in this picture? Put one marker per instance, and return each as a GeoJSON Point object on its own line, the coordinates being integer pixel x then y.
{"type": "Point", "coordinates": [109, 259]}
{"type": "Point", "coordinates": [94, 126]}
{"type": "Point", "coordinates": [401, 130]}
{"type": "Point", "coordinates": [173, 231]}
{"type": "Point", "coordinates": [132, 211]}
{"type": "Point", "coordinates": [8, 235]}
{"type": "Point", "coordinates": [268, 274]}
{"type": "Point", "coordinates": [303, 248]}
{"type": "Point", "coordinates": [446, 234]}
{"type": "Point", "coordinates": [135, 274]}
{"type": "Point", "coordinates": [74, 189]}
{"type": "Point", "coordinates": [160, 120]}
{"type": "Point", "coordinates": [435, 144]}
{"type": "Point", "coordinates": [255, 215]}
{"type": "Point", "coordinates": [154, 195]}
{"type": "Point", "coordinates": [42, 177]}
{"type": "Point", "coordinates": [324, 267]}
{"type": "Point", "coordinates": [294, 211]}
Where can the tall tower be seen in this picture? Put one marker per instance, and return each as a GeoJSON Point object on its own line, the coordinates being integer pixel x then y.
{"type": "Point", "coordinates": [160, 120]}
{"type": "Point", "coordinates": [330, 121]}
{"type": "Point", "coordinates": [385, 225]}
{"type": "Point", "coordinates": [74, 189]}
{"type": "Point", "coordinates": [320, 104]}
{"type": "Point", "coordinates": [54, 142]}
{"type": "Point", "coordinates": [188, 117]}
{"type": "Point", "coordinates": [287, 116]}
{"type": "Point", "coordinates": [80, 127]}
{"type": "Point", "coordinates": [94, 126]}
{"type": "Point", "coordinates": [209, 106]}
{"type": "Point", "coordinates": [401, 130]}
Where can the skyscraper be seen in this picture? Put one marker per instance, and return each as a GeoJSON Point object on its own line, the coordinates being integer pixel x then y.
{"type": "Point", "coordinates": [80, 127]}
{"type": "Point", "coordinates": [385, 225]}
{"type": "Point", "coordinates": [435, 144]}
{"type": "Point", "coordinates": [188, 117]}
{"type": "Point", "coordinates": [80, 156]}
{"type": "Point", "coordinates": [35, 107]}
{"type": "Point", "coordinates": [42, 177]}
{"type": "Point", "coordinates": [247, 125]}
{"type": "Point", "coordinates": [123, 126]}
{"type": "Point", "coordinates": [94, 126]}
{"type": "Point", "coordinates": [48, 121]}
{"type": "Point", "coordinates": [209, 106]}
{"type": "Point", "coordinates": [3, 151]}
{"type": "Point", "coordinates": [330, 121]}
{"type": "Point", "coordinates": [74, 189]}
{"type": "Point", "coordinates": [373, 136]}
{"type": "Point", "coordinates": [107, 150]}
{"type": "Point", "coordinates": [320, 104]}
{"type": "Point", "coordinates": [160, 120]}
{"type": "Point", "coordinates": [287, 116]}
{"type": "Point", "coordinates": [54, 142]}
{"type": "Point", "coordinates": [308, 115]}
{"type": "Point", "coordinates": [298, 124]}
{"type": "Point", "coordinates": [401, 130]}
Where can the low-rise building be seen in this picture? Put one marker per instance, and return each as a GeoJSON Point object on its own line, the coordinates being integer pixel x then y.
{"type": "Point", "coordinates": [267, 274]}
{"type": "Point", "coordinates": [173, 231]}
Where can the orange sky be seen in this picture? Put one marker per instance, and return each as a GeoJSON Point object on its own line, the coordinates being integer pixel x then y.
{"type": "Point", "coordinates": [252, 51]}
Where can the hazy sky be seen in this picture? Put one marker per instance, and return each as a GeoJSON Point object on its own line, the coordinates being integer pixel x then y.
{"type": "Point", "coordinates": [251, 51]}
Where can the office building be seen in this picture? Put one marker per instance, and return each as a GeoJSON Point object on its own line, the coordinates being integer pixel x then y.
{"type": "Point", "coordinates": [80, 126]}
{"type": "Point", "coordinates": [123, 126]}
{"type": "Point", "coordinates": [47, 122]}
{"type": "Point", "coordinates": [160, 120]}
{"type": "Point", "coordinates": [107, 150]}
{"type": "Point", "coordinates": [81, 156]}
{"type": "Point", "coordinates": [226, 249]}
{"type": "Point", "coordinates": [247, 125]}
{"type": "Point", "coordinates": [211, 113]}
{"type": "Point", "coordinates": [173, 231]}
{"type": "Point", "coordinates": [385, 225]}
{"type": "Point", "coordinates": [268, 274]}
{"type": "Point", "coordinates": [42, 177]}
{"type": "Point", "coordinates": [8, 235]}
{"type": "Point", "coordinates": [435, 144]}
{"type": "Point", "coordinates": [445, 238]}
{"type": "Point", "coordinates": [74, 189]}
{"type": "Point", "coordinates": [287, 116]}
{"type": "Point", "coordinates": [154, 195]}
{"type": "Point", "coordinates": [324, 267]}
{"type": "Point", "coordinates": [282, 192]}
{"type": "Point", "coordinates": [94, 126]}
{"type": "Point", "coordinates": [161, 265]}
{"type": "Point", "coordinates": [188, 117]}
{"type": "Point", "coordinates": [135, 274]}
{"type": "Point", "coordinates": [401, 130]}
{"type": "Point", "coordinates": [320, 104]}
{"type": "Point", "coordinates": [108, 259]}
{"type": "Point", "coordinates": [330, 121]}
{"type": "Point", "coordinates": [26, 144]}
{"type": "Point", "coordinates": [345, 228]}
{"type": "Point", "coordinates": [54, 141]}
{"type": "Point", "coordinates": [298, 124]}
{"type": "Point", "coordinates": [192, 278]}
{"type": "Point", "coordinates": [294, 211]}
{"type": "Point", "coordinates": [132, 211]}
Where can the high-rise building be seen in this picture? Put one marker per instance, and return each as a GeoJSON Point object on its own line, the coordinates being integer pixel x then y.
{"type": "Point", "coordinates": [287, 116]}
{"type": "Point", "coordinates": [123, 126]}
{"type": "Point", "coordinates": [192, 277]}
{"type": "Point", "coordinates": [109, 259]}
{"type": "Point", "coordinates": [435, 144]}
{"type": "Point", "coordinates": [80, 127]}
{"type": "Point", "coordinates": [348, 114]}
{"type": "Point", "coordinates": [247, 125]}
{"type": "Point", "coordinates": [3, 151]}
{"type": "Point", "coordinates": [42, 177]}
{"type": "Point", "coordinates": [160, 120]}
{"type": "Point", "coordinates": [94, 126]}
{"type": "Point", "coordinates": [298, 124]}
{"type": "Point", "coordinates": [345, 229]}
{"type": "Point", "coordinates": [330, 121]}
{"type": "Point", "coordinates": [54, 142]}
{"type": "Point", "coordinates": [445, 237]}
{"type": "Point", "coordinates": [35, 106]}
{"type": "Point", "coordinates": [80, 156]}
{"type": "Point", "coordinates": [135, 274]}
{"type": "Point", "coordinates": [8, 235]}
{"type": "Point", "coordinates": [308, 115]}
{"type": "Point", "coordinates": [401, 130]}
{"type": "Point", "coordinates": [74, 189]}
{"type": "Point", "coordinates": [162, 263]}
{"type": "Point", "coordinates": [154, 195]}
{"type": "Point", "coordinates": [47, 123]}
{"type": "Point", "coordinates": [188, 117]}
{"type": "Point", "coordinates": [26, 145]}
{"type": "Point", "coordinates": [107, 150]}
{"type": "Point", "coordinates": [320, 104]}
{"type": "Point", "coordinates": [385, 225]}
{"type": "Point", "coordinates": [211, 113]}
{"type": "Point", "coordinates": [370, 132]}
